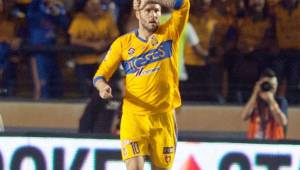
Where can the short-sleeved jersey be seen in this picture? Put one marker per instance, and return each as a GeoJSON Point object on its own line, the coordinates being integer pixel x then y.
{"type": "Point", "coordinates": [84, 28]}
{"type": "Point", "coordinates": [151, 67]}
{"type": "Point", "coordinates": [224, 22]}
{"type": "Point", "coordinates": [251, 33]}
{"type": "Point", "coordinates": [287, 26]}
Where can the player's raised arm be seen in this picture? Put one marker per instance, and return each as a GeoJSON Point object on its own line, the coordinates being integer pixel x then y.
{"type": "Point", "coordinates": [180, 13]}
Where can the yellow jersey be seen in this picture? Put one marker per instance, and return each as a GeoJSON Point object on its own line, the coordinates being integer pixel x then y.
{"type": "Point", "coordinates": [287, 27]}
{"type": "Point", "coordinates": [224, 22]}
{"type": "Point", "coordinates": [151, 67]}
{"type": "Point", "coordinates": [7, 30]}
{"type": "Point", "coordinates": [251, 33]}
{"type": "Point", "coordinates": [83, 27]}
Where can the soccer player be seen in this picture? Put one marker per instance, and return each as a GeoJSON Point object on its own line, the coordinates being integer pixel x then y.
{"type": "Point", "coordinates": [149, 58]}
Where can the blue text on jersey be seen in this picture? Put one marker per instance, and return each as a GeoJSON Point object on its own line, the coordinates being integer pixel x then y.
{"type": "Point", "coordinates": [163, 51]}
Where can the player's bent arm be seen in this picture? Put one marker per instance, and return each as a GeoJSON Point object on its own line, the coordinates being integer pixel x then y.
{"type": "Point", "coordinates": [110, 63]}
{"type": "Point", "coordinates": [108, 66]}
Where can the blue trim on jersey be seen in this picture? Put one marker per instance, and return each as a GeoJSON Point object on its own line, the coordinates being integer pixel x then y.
{"type": "Point", "coordinates": [178, 4]}
{"type": "Point", "coordinates": [140, 38]}
{"type": "Point", "coordinates": [97, 78]}
{"type": "Point", "coordinates": [163, 51]}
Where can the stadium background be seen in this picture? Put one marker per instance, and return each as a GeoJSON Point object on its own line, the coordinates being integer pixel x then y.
{"type": "Point", "coordinates": [43, 133]}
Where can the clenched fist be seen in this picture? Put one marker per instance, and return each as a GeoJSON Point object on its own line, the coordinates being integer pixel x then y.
{"type": "Point", "coordinates": [104, 89]}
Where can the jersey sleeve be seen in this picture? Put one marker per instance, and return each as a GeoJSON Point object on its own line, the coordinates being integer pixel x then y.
{"type": "Point", "coordinates": [110, 63]}
{"type": "Point", "coordinates": [179, 18]}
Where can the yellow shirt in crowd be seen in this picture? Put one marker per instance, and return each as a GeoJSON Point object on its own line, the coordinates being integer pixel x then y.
{"type": "Point", "coordinates": [204, 27]}
{"type": "Point", "coordinates": [84, 28]}
{"type": "Point", "coordinates": [7, 30]}
{"type": "Point", "coordinates": [287, 27]}
{"type": "Point", "coordinates": [251, 33]}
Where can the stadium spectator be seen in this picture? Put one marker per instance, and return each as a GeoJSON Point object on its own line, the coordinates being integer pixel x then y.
{"type": "Point", "coordinates": [8, 41]}
{"type": "Point", "coordinates": [95, 28]}
{"type": "Point", "coordinates": [273, 3]}
{"type": "Point", "coordinates": [287, 64]}
{"type": "Point", "coordinates": [251, 54]}
{"type": "Point", "coordinates": [220, 43]}
{"type": "Point", "coordinates": [44, 17]}
{"type": "Point", "coordinates": [149, 58]}
{"type": "Point", "coordinates": [266, 114]}
{"type": "Point", "coordinates": [202, 17]}
{"type": "Point", "coordinates": [123, 14]}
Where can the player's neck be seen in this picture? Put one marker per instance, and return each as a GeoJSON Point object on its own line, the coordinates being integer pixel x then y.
{"type": "Point", "coordinates": [144, 33]}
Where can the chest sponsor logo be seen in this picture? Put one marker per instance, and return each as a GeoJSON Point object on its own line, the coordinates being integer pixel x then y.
{"type": "Point", "coordinates": [136, 64]}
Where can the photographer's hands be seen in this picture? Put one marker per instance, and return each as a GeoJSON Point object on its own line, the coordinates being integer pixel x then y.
{"type": "Point", "coordinates": [257, 87]}
{"type": "Point", "coordinates": [267, 96]}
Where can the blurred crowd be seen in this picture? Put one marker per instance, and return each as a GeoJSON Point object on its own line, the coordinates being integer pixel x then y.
{"type": "Point", "coordinates": [48, 47]}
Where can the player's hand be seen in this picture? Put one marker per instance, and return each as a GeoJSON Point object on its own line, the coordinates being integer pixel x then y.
{"type": "Point", "coordinates": [105, 91]}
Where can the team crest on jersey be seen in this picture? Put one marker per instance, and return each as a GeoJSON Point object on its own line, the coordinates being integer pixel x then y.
{"type": "Point", "coordinates": [131, 51]}
{"type": "Point", "coordinates": [153, 41]}
{"type": "Point", "coordinates": [168, 158]}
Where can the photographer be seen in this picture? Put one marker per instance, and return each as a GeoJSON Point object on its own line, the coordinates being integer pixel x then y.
{"type": "Point", "coordinates": [265, 114]}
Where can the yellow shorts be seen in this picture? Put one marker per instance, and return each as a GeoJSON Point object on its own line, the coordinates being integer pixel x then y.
{"type": "Point", "coordinates": [152, 135]}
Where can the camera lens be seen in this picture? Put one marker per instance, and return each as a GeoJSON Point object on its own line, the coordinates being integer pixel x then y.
{"type": "Point", "coordinates": [266, 86]}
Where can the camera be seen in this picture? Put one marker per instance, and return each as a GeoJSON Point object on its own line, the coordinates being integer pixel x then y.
{"type": "Point", "coordinates": [266, 86]}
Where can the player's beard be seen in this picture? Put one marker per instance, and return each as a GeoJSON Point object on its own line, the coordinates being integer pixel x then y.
{"type": "Point", "coordinates": [149, 26]}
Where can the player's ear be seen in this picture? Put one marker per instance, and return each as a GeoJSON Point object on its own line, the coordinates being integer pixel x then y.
{"type": "Point", "coordinates": [137, 14]}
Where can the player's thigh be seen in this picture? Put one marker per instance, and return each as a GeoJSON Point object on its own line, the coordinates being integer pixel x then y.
{"type": "Point", "coordinates": [135, 163]}
{"type": "Point", "coordinates": [163, 142]}
{"type": "Point", "coordinates": [134, 134]}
